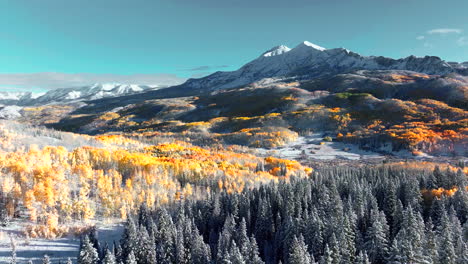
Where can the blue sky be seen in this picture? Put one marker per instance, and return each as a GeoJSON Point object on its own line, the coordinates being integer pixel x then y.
{"type": "Point", "coordinates": [52, 43]}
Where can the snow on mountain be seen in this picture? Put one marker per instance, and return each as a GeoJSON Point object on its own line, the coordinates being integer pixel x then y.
{"type": "Point", "coordinates": [311, 60]}
{"type": "Point", "coordinates": [93, 92]}
{"type": "Point", "coordinates": [13, 95]}
{"type": "Point", "coordinates": [278, 50]}
{"type": "Point", "coordinates": [312, 45]}
{"type": "Point", "coordinates": [10, 112]}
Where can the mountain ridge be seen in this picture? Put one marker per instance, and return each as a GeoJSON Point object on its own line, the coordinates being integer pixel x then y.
{"type": "Point", "coordinates": [73, 94]}
{"type": "Point", "coordinates": [313, 61]}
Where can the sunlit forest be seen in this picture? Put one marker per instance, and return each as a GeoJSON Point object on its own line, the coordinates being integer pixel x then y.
{"type": "Point", "coordinates": [183, 203]}
{"type": "Point", "coordinates": [62, 190]}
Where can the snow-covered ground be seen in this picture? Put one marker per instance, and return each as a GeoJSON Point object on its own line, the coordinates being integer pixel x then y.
{"type": "Point", "coordinates": [314, 147]}
{"type": "Point", "coordinates": [59, 249]}
{"type": "Point", "coordinates": [10, 112]}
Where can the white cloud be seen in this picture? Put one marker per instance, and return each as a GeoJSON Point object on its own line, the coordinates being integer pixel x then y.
{"type": "Point", "coordinates": [54, 80]}
{"type": "Point", "coordinates": [443, 31]}
{"type": "Point", "coordinates": [420, 37]}
{"type": "Point", "coordinates": [462, 41]}
{"type": "Point", "coordinates": [206, 68]}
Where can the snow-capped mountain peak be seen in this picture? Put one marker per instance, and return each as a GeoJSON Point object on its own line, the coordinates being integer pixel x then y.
{"type": "Point", "coordinates": [278, 50]}
{"type": "Point", "coordinates": [310, 45]}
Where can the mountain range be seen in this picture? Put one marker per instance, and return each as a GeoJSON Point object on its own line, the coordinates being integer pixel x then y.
{"type": "Point", "coordinates": [73, 94]}
{"type": "Point", "coordinates": [377, 103]}
{"type": "Point", "coordinates": [304, 62]}
{"type": "Point", "coordinates": [308, 61]}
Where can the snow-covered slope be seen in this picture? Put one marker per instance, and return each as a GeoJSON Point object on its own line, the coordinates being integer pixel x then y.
{"type": "Point", "coordinates": [96, 91]}
{"type": "Point", "coordinates": [310, 60]}
{"type": "Point", "coordinates": [12, 95]}
{"type": "Point", "coordinates": [18, 96]}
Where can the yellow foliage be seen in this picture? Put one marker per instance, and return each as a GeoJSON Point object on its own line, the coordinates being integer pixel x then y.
{"type": "Point", "coordinates": [90, 182]}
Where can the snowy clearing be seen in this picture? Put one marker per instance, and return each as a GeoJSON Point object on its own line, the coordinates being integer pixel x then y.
{"type": "Point", "coordinates": [314, 147]}
{"type": "Point", "coordinates": [59, 249]}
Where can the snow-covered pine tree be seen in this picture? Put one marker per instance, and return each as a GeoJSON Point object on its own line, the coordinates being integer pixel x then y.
{"type": "Point", "coordinates": [376, 243]}
{"type": "Point", "coordinates": [88, 253]}
{"type": "Point", "coordinates": [235, 254]}
{"type": "Point", "coordinates": [109, 258]}
{"type": "Point", "coordinates": [298, 253]}
{"type": "Point", "coordinates": [362, 258]}
{"type": "Point", "coordinates": [46, 260]}
{"type": "Point", "coordinates": [131, 258]}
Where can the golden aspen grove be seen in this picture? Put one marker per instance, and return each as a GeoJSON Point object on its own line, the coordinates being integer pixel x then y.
{"type": "Point", "coordinates": [53, 186]}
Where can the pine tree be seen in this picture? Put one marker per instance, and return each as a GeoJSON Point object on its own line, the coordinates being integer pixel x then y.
{"type": "Point", "coordinates": [264, 224]}
{"type": "Point", "coordinates": [390, 208]}
{"type": "Point", "coordinates": [88, 253]}
{"type": "Point", "coordinates": [327, 257]}
{"type": "Point", "coordinates": [242, 238]}
{"type": "Point", "coordinates": [446, 250]}
{"type": "Point", "coordinates": [253, 256]}
{"type": "Point", "coordinates": [144, 252]}
{"type": "Point", "coordinates": [93, 238]}
{"type": "Point", "coordinates": [109, 258]}
{"type": "Point", "coordinates": [395, 256]}
{"type": "Point", "coordinates": [46, 260]}
{"type": "Point", "coordinates": [461, 251]}
{"type": "Point", "coordinates": [181, 255]}
{"type": "Point", "coordinates": [335, 250]}
{"type": "Point", "coordinates": [226, 238]}
{"type": "Point", "coordinates": [313, 234]}
{"type": "Point", "coordinates": [460, 203]}
{"type": "Point", "coordinates": [200, 252]}
{"type": "Point", "coordinates": [376, 239]}
{"type": "Point", "coordinates": [411, 236]}
{"type": "Point", "coordinates": [298, 253]}
{"type": "Point", "coordinates": [430, 245]}
{"type": "Point", "coordinates": [235, 254]}
{"type": "Point", "coordinates": [69, 261]}
{"type": "Point", "coordinates": [348, 240]}
{"type": "Point", "coordinates": [129, 238]}
{"type": "Point", "coordinates": [362, 258]}
{"type": "Point", "coordinates": [131, 259]}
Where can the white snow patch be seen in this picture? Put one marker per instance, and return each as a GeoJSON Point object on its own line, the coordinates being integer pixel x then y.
{"type": "Point", "coordinates": [59, 249]}
{"type": "Point", "coordinates": [276, 51]}
{"type": "Point", "coordinates": [312, 45]}
{"type": "Point", "coordinates": [10, 112]}
{"type": "Point", "coordinates": [73, 95]}
{"type": "Point", "coordinates": [313, 147]}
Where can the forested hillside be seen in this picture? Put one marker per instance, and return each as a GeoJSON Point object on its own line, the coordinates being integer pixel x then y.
{"type": "Point", "coordinates": [112, 176]}
{"type": "Point", "coordinates": [385, 111]}
{"type": "Point", "coordinates": [396, 213]}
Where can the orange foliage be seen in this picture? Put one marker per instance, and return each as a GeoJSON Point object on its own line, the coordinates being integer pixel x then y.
{"type": "Point", "coordinates": [439, 192]}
